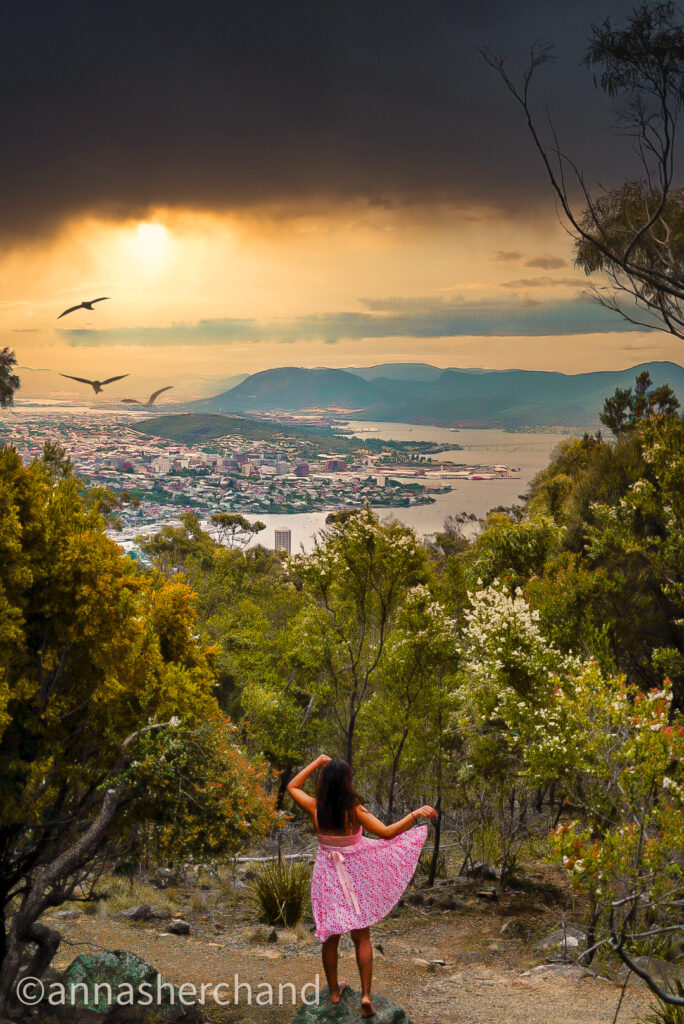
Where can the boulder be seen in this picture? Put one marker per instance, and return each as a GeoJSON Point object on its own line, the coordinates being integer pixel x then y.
{"type": "Point", "coordinates": [568, 938]}
{"type": "Point", "coordinates": [140, 912]}
{"type": "Point", "coordinates": [143, 912]}
{"type": "Point", "coordinates": [666, 973]}
{"type": "Point", "coordinates": [178, 927]}
{"type": "Point", "coordinates": [159, 914]}
{"type": "Point", "coordinates": [124, 973]}
{"type": "Point", "coordinates": [348, 1010]}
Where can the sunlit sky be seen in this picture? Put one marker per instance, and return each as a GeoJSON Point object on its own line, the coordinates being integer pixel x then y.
{"type": "Point", "coordinates": [392, 214]}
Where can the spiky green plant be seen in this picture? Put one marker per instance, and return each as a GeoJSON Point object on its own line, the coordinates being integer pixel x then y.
{"type": "Point", "coordinates": [281, 892]}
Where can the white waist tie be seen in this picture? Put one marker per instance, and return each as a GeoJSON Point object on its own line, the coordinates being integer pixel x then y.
{"type": "Point", "coordinates": [345, 881]}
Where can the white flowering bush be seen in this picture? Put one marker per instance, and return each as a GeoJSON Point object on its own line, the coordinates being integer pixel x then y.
{"type": "Point", "coordinates": [507, 676]}
{"type": "Point", "coordinates": [509, 671]}
{"type": "Point", "coordinates": [502, 640]}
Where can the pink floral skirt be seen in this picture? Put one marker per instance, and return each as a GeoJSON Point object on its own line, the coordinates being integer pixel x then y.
{"type": "Point", "coordinates": [356, 880]}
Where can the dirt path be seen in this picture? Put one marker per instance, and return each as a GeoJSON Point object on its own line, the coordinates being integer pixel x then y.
{"type": "Point", "coordinates": [484, 980]}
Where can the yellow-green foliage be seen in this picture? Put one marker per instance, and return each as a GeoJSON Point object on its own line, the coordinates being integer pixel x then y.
{"type": "Point", "coordinates": [91, 651]}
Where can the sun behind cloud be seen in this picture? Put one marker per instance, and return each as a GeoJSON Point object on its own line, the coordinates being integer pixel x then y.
{"type": "Point", "coordinates": [152, 242]}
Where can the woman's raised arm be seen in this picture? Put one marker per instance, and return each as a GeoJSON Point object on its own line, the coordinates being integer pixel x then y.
{"type": "Point", "coordinates": [377, 828]}
{"type": "Point", "coordinates": [294, 787]}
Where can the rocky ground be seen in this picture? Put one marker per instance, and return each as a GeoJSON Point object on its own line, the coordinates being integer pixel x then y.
{"type": "Point", "coordinates": [448, 955]}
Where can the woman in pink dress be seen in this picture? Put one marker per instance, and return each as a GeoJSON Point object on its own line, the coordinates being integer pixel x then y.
{"type": "Point", "coordinates": [356, 881]}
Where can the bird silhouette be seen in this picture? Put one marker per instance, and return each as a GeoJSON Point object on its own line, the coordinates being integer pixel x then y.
{"type": "Point", "coordinates": [97, 385]}
{"type": "Point", "coordinates": [150, 400]}
{"type": "Point", "coordinates": [82, 305]}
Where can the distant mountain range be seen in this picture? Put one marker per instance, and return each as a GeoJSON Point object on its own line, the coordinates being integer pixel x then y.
{"type": "Point", "coordinates": [421, 393]}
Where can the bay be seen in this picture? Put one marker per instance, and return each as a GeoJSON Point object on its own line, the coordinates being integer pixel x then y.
{"type": "Point", "coordinates": [528, 451]}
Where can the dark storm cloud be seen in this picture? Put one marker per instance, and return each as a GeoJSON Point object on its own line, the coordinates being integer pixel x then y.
{"type": "Point", "coordinates": [413, 318]}
{"type": "Point", "coordinates": [116, 106]}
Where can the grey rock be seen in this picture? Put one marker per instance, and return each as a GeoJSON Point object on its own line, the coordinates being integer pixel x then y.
{"type": "Point", "coordinates": [140, 912]}
{"type": "Point", "coordinates": [571, 938]}
{"type": "Point", "coordinates": [68, 914]}
{"type": "Point", "coordinates": [159, 914]}
{"type": "Point", "coordinates": [664, 972]}
{"type": "Point", "coordinates": [178, 927]}
{"type": "Point", "coordinates": [124, 973]}
{"type": "Point", "coordinates": [348, 1010]}
{"type": "Point", "coordinates": [560, 969]}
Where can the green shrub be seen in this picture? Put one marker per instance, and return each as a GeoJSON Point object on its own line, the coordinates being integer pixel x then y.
{"type": "Point", "coordinates": [281, 891]}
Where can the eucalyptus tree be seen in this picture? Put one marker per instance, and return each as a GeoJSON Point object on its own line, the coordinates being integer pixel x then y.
{"type": "Point", "coordinates": [633, 231]}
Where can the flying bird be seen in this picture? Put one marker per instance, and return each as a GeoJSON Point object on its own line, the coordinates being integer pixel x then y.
{"type": "Point", "coordinates": [151, 399]}
{"type": "Point", "coordinates": [82, 305]}
{"type": "Point", "coordinates": [97, 385]}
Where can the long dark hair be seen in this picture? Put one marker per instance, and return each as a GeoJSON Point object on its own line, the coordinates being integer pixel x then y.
{"type": "Point", "coordinates": [336, 797]}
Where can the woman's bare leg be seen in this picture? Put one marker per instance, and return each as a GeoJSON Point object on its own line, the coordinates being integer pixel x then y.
{"type": "Point", "coordinates": [329, 954]}
{"type": "Point", "coordinates": [364, 960]}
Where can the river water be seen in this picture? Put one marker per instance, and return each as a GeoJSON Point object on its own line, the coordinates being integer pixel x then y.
{"type": "Point", "coordinates": [529, 451]}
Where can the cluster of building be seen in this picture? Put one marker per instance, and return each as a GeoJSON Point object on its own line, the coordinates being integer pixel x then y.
{"type": "Point", "coordinates": [158, 479]}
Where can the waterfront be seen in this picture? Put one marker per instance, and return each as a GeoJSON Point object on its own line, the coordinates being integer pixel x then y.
{"type": "Point", "coordinates": [529, 451]}
{"type": "Point", "coordinates": [167, 477]}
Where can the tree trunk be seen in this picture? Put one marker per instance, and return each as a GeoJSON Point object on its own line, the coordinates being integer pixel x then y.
{"type": "Point", "coordinates": [435, 846]}
{"type": "Point", "coordinates": [42, 881]}
{"type": "Point", "coordinates": [393, 780]}
{"type": "Point", "coordinates": [349, 749]}
{"type": "Point", "coordinates": [285, 776]}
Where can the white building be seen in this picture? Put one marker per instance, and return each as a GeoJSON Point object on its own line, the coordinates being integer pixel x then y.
{"type": "Point", "coordinates": [283, 541]}
{"type": "Point", "coordinates": [162, 464]}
